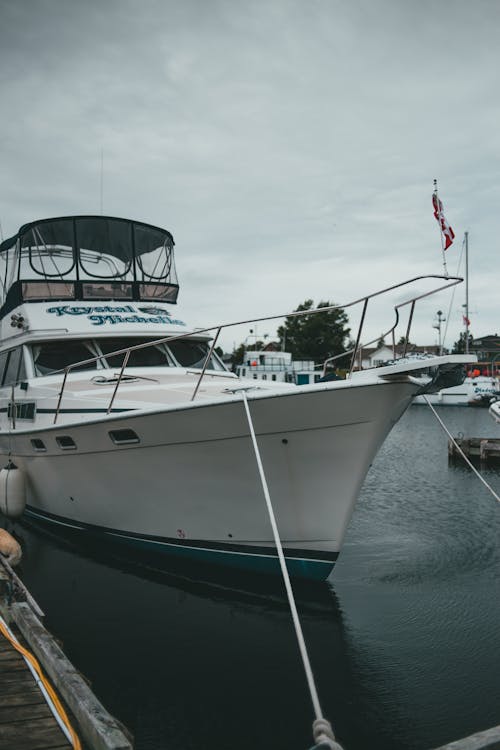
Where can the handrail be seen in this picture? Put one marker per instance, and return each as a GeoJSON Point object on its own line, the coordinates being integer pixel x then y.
{"type": "Point", "coordinates": [450, 281]}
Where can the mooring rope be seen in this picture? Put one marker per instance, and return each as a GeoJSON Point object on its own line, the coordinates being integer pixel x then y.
{"type": "Point", "coordinates": [322, 730]}
{"type": "Point", "coordinates": [467, 461]}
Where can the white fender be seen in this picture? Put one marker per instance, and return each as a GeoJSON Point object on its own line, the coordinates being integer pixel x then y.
{"type": "Point", "coordinates": [12, 491]}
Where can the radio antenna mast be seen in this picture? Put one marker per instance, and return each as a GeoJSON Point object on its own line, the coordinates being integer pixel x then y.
{"type": "Point", "coordinates": [102, 182]}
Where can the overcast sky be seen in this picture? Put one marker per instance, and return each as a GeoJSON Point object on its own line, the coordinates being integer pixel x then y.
{"type": "Point", "coordinates": [290, 146]}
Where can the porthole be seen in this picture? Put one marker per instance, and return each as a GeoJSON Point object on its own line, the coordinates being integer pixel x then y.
{"type": "Point", "coordinates": [66, 443]}
{"type": "Point", "coordinates": [124, 437]}
{"type": "Point", "coordinates": [38, 445]}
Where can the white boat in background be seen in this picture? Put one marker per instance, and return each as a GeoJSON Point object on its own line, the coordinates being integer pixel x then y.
{"type": "Point", "coordinates": [278, 367]}
{"type": "Point", "coordinates": [119, 421]}
{"type": "Point", "coordinates": [495, 411]}
{"type": "Point", "coordinates": [476, 390]}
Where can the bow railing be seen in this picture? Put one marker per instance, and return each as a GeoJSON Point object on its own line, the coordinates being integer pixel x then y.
{"type": "Point", "coordinates": [450, 281]}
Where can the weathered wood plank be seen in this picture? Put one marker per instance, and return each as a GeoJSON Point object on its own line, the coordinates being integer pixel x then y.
{"type": "Point", "coordinates": [33, 735]}
{"type": "Point", "coordinates": [10, 657]}
{"type": "Point", "coordinates": [28, 697]}
{"type": "Point", "coordinates": [10, 714]}
{"type": "Point", "coordinates": [24, 679]}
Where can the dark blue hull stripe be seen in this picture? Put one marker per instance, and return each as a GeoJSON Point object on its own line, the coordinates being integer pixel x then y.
{"type": "Point", "coordinates": [300, 563]}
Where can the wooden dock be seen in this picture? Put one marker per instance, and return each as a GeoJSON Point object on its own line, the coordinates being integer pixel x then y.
{"type": "Point", "coordinates": [484, 450]}
{"type": "Point", "coordinates": [26, 721]}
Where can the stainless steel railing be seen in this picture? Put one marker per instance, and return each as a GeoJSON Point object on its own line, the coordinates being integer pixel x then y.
{"type": "Point", "coordinates": [449, 282]}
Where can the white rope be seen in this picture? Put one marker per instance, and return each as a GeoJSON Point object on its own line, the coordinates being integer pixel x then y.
{"type": "Point", "coordinates": [322, 730]}
{"type": "Point", "coordinates": [488, 487]}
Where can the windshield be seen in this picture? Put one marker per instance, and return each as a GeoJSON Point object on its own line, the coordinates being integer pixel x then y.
{"type": "Point", "coordinates": [193, 354]}
{"type": "Point", "coordinates": [53, 356]}
{"type": "Point", "coordinates": [151, 356]}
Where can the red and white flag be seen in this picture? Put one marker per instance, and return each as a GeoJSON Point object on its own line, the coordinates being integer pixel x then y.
{"type": "Point", "coordinates": [448, 233]}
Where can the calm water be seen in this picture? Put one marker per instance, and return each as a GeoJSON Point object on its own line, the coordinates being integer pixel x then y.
{"type": "Point", "coordinates": [403, 638]}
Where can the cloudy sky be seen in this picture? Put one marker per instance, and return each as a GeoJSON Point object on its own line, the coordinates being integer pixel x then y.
{"type": "Point", "coordinates": [289, 145]}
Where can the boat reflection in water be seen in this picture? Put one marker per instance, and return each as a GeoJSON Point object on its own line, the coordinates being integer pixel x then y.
{"type": "Point", "coordinates": [403, 637]}
{"type": "Point", "coordinates": [185, 662]}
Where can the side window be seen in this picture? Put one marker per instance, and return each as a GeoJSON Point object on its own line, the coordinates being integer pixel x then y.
{"type": "Point", "coordinates": [12, 369]}
{"type": "Point", "coordinates": [4, 356]}
{"type": "Point", "coordinates": [21, 375]}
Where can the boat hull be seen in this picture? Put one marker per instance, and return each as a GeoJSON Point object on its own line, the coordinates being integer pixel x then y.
{"type": "Point", "coordinates": [190, 487]}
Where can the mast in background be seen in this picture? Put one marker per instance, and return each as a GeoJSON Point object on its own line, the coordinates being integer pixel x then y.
{"type": "Point", "coordinates": [466, 316]}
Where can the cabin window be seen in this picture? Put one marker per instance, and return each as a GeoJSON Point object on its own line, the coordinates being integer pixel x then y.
{"type": "Point", "coordinates": [4, 358]}
{"type": "Point", "coordinates": [112, 290]}
{"type": "Point", "coordinates": [151, 356]}
{"type": "Point", "coordinates": [193, 354]}
{"type": "Point", "coordinates": [40, 290]}
{"type": "Point", "coordinates": [104, 247]}
{"type": "Point", "coordinates": [150, 246]}
{"type": "Point", "coordinates": [66, 443]}
{"type": "Point", "coordinates": [49, 248]}
{"type": "Point", "coordinates": [24, 410]}
{"type": "Point", "coordinates": [12, 368]}
{"type": "Point", "coordinates": [53, 356]}
{"type": "Point", "coordinates": [124, 437]}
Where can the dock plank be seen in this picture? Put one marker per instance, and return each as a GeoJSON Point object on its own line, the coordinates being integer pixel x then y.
{"type": "Point", "coordinates": [24, 712]}
{"type": "Point", "coordinates": [26, 721]}
{"type": "Point", "coordinates": [37, 735]}
{"type": "Point", "coordinates": [29, 697]}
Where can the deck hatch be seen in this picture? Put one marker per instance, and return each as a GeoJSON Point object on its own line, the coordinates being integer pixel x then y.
{"type": "Point", "coordinates": [124, 437]}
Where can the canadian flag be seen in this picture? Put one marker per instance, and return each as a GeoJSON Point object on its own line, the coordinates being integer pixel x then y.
{"type": "Point", "coordinates": [448, 233]}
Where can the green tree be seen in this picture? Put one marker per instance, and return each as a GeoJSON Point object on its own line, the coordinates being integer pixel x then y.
{"type": "Point", "coordinates": [237, 355]}
{"type": "Point", "coordinates": [316, 336]}
{"type": "Point", "coordinates": [459, 346]}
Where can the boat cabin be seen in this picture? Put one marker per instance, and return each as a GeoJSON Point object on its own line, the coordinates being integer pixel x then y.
{"type": "Point", "coordinates": [78, 288]}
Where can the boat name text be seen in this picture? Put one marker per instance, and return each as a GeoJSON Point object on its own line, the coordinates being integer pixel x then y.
{"type": "Point", "coordinates": [103, 314]}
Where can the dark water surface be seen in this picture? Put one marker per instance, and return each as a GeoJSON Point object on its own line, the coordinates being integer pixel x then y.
{"type": "Point", "coordinates": [404, 637]}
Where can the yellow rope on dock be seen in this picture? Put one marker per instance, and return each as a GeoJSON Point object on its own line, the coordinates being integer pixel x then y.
{"type": "Point", "coordinates": [48, 687]}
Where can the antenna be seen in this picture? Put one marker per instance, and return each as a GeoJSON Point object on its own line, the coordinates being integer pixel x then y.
{"type": "Point", "coordinates": [102, 181]}
{"type": "Point", "coordinates": [1, 232]}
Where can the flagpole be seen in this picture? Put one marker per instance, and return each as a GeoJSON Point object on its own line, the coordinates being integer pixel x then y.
{"type": "Point", "coordinates": [441, 230]}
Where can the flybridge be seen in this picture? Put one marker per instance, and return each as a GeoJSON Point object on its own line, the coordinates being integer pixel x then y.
{"type": "Point", "coordinates": [93, 258]}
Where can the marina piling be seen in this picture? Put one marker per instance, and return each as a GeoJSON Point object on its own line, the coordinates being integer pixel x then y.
{"type": "Point", "coordinates": [484, 450]}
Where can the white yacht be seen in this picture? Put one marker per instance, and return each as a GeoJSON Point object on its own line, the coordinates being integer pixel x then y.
{"type": "Point", "coordinates": [118, 420]}
{"type": "Point", "coordinates": [476, 390]}
{"type": "Point", "coordinates": [495, 411]}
